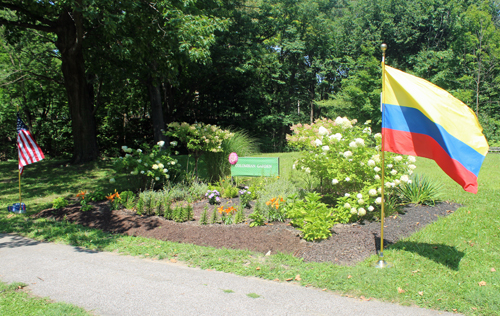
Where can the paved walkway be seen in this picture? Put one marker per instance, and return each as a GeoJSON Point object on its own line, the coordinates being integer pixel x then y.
{"type": "Point", "coordinates": [111, 284]}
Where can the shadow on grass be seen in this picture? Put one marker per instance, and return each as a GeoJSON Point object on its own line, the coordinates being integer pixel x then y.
{"type": "Point", "coordinates": [53, 231]}
{"type": "Point", "coordinates": [439, 253]}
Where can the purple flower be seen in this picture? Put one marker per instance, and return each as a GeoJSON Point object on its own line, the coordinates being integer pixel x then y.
{"type": "Point", "coordinates": [211, 196]}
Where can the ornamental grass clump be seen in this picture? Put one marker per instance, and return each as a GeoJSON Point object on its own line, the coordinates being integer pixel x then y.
{"type": "Point", "coordinates": [346, 158]}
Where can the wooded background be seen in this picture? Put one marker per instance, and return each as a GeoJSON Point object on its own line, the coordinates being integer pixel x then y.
{"type": "Point", "coordinates": [90, 76]}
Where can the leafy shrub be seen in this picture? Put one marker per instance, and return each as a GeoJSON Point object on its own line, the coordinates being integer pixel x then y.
{"type": "Point", "coordinates": [152, 169]}
{"type": "Point", "coordinates": [128, 199]}
{"type": "Point", "coordinates": [230, 192]}
{"type": "Point", "coordinates": [346, 158]}
{"type": "Point", "coordinates": [197, 190]}
{"type": "Point", "coordinates": [420, 190]}
{"type": "Point", "coordinates": [258, 219]}
{"type": "Point", "coordinates": [312, 217]}
{"type": "Point", "coordinates": [199, 138]}
{"type": "Point", "coordinates": [59, 203]}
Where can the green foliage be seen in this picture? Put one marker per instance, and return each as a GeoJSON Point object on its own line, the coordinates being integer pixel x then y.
{"type": "Point", "coordinates": [85, 206]}
{"type": "Point", "coordinates": [239, 217]}
{"type": "Point", "coordinates": [199, 138]}
{"type": "Point", "coordinates": [275, 208]}
{"type": "Point", "coordinates": [127, 199]}
{"type": "Point", "coordinates": [271, 190]}
{"type": "Point", "coordinates": [230, 192]}
{"type": "Point", "coordinates": [355, 177]}
{"type": "Point", "coordinates": [258, 219]}
{"type": "Point", "coordinates": [312, 217]}
{"type": "Point", "coordinates": [204, 216]}
{"type": "Point", "coordinates": [214, 219]}
{"type": "Point", "coordinates": [59, 202]}
{"type": "Point", "coordinates": [213, 197]}
{"type": "Point", "coordinates": [420, 190]}
{"type": "Point", "coordinates": [245, 197]}
{"type": "Point", "coordinates": [153, 169]}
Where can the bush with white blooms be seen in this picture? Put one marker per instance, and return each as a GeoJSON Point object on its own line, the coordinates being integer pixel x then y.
{"type": "Point", "coordinates": [156, 164]}
{"type": "Point", "coordinates": [346, 158]}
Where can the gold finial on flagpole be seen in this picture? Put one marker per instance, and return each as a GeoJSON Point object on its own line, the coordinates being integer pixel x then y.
{"type": "Point", "coordinates": [381, 263]}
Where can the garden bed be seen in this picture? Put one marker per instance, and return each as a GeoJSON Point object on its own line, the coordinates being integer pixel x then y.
{"type": "Point", "coordinates": [348, 245]}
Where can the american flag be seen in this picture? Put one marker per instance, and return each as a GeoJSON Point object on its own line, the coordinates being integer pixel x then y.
{"type": "Point", "coordinates": [28, 149]}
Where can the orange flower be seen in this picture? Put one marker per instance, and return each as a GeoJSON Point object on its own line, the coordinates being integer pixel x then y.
{"type": "Point", "coordinates": [113, 196]}
{"type": "Point", "coordinates": [81, 194]}
{"type": "Point", "coordinates": [230, 210]}
{"type": "Point", "coordinates": [268, 203]}
{"type": "Point", "coordinates": [220, 209]}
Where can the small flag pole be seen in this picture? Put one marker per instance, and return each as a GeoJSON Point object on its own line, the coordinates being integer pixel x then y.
{"type": "Point", "coordinates": [381, 263]}
{"type": "Point", "coordinates": [19, 170]}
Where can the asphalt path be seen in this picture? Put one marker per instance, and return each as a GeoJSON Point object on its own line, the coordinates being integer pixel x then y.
{"type": "Point", "coordinates": [111, 284]}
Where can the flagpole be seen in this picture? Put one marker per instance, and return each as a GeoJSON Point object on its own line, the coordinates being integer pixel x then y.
{"type": "Point", "coordinates": [381, 263]}
{"type": "Point", "coordinates": [18, 170]}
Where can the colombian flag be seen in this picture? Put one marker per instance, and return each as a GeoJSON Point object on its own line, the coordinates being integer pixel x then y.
{"type": "Point", "coordinates": [421, 119]}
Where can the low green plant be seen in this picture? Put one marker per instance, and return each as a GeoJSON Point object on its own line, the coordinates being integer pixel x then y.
{"type": "Point", "coordinates": [239, 217]}
{"type": "Point", "coordinates": [127, 199]}
{"type": "Point", "coordinates": [85, 206]}
{"type": "Point", "coordinates": [230, 192]}
{"type": "Point", "coordinates": [148, 203]}
{"type": "Point", "coordinates": [204, 216]}
{"type": "Point", "coordinates": [245, 197]}
{"type": "Point", "coordinates": [312, 217]}
{"type": "Point", "coordinates": [115, 200]}
{"type": "Point", "coordinates": [258, 219]}
{"type": "Point", "coordinates": [213, 196]}
{"type": "Point", "coordinates": [276, 209]}
{"type": "Point", "coordinates": [214, 219]}
{"type": "Point", "coordinates": [226, 214]}
{"type": "Point", "coordinates": [59, 203]}
{"type": "Point", "coordinates": [419, 190]}
{"type": "Point", "coordinates": [96, 196]}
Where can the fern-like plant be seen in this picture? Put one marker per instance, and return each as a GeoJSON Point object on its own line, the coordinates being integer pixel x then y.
{"type": "Point", "coordinates": [214, 218]}
{"type": "Point", "coordinates": [204, 216]}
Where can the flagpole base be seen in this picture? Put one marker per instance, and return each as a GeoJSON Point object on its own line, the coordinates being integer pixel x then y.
{"type": "Point", "coordinates": [381, 263]}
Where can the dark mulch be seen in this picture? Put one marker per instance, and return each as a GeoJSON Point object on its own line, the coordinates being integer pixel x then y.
{"type": "Point", "coordinates": [348, 245]}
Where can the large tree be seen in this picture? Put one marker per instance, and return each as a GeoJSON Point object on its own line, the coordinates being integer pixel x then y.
{"type": "Point", "coordinates": [64, 19]}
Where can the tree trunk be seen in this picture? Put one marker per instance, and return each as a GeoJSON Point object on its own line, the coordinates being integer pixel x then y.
{"type": "Point", "coordinates": [69, 37]}
{"type": "Point", "coordinates": [154, 90]}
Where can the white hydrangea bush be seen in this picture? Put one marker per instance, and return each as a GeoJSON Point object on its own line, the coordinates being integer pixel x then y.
{"type": "Point", "coordinates": [156, 164]}
{"type": "Point", "coordinates": [346, 158]}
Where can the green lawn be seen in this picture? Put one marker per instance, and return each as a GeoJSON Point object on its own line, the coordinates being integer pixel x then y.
{"type": "Point", "coordinates": [452, 264]}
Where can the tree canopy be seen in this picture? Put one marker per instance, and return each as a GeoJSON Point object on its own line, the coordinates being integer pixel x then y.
{"type": "Point", "coordinates": [92, 76]}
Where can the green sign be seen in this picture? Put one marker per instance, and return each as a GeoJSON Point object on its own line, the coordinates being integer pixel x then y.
{"type": "Point", "coordinates": [256, 167]}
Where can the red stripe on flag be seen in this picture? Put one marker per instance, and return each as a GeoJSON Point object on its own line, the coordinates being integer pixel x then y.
{"type": "Point", "coordinates": [421, 145]}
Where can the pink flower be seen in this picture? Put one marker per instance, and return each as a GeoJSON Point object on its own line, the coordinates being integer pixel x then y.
{"type": "Point", "coordinates": [233, 158]}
